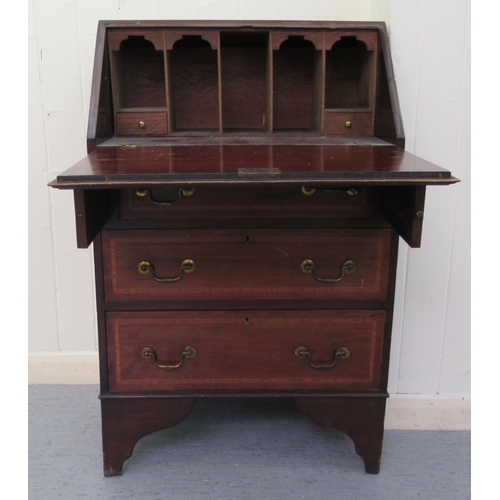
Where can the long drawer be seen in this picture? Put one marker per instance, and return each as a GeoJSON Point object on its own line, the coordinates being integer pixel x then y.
{"type": "Point", "coordinates": [246, 264]}
{"type": "Point", "coordinates": [231, 202]}
{"type": "Point", "coordinates": [221, 350]}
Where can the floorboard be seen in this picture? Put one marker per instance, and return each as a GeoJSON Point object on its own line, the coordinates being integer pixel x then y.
{"type": "Point", "coordinates": [236, 449]}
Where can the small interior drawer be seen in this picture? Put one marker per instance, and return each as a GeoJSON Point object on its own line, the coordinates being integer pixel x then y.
{"type": "Point", "coordinates": [246, 264]}
{"type": "Point", "coordinates": [354, 123]}
{"type": "Point", "coordinates": [141, 123]}
{"type": "Point", "coordinates": [245, 350]}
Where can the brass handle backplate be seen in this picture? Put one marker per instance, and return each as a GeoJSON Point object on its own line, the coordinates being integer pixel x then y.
{"type": "Point", "coordinates": [149, 353]}
{"type": "Point", "coordinates": [145, 267]}
{"type": "Point", "coordinates": [182, 192]}
{"type": "Point", "coordinates": [340, 353]}
{"type": "Point", "coordinates": [353, 191]}
{"type": "Point", "coordinates": [348, 267]}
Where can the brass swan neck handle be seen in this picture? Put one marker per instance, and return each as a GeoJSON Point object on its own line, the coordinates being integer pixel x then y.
{"type": "Point", "coordinates": [308, 266]}
{"type": "Point", "coordinates": [145, 267]}
{"type": "Point", "coordinates": [187, 353]}
{"type": "Point", "coordinates": [340, 353]}
{"type": "Point", "coordinates": [308, 190]}
{"type": "Point", "coordinates": [147, 193]}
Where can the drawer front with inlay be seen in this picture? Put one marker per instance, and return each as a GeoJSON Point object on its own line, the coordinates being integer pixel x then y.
{"type": "Point", "coordinates": [246, 264]}
{"type": "Point", "coordinates": [245, 350]}
{"type": "Point", "coordinates": [232, 202]}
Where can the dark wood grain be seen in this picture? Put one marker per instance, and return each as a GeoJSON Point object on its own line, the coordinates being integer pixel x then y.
{"type": "Point", "coordinates": [254, 350]}
{"type": "Point", "coordinates": [101, 122]}
{"type": "Point", "coordinates": [388, 123]}
{"type": "Point", "coordinates": [240, 305]}
{"type": "Point", "coordinates": [154, 123]}
{"type": "Point", "coordinates": [299, 100]}
{"type": "Point", "coordinates": [119, 31]}
{"type": "Point", "coordinates": [278, 220]}
{"type": "Point", "coordinates": [243, 88]}
{"type": "Point", "coordinates": [117, 37]}
{"type": "Point", "coordinates": [219, 98]}
{"type": "Point", "coordinates": [389, 308]}
{"type": "Point", "coordinates": [126, 420]}
{"type": "Point", "coordinates": [101, 315]}
{"type": "Point", "coordinates": [195, 88]}
{"type": "Point", "coordinates": [367, 37]}
{"type": "Point", "coordinates": [117, 167]}
{"type": "Point", "coordinates": [293, 73]}
{"type": "Point", "coordinates": [145, 78]}
{"type": "Point", "coordinates": [360, 122]}
{"type": "Point", "coordinates": [246, 264]}
{"type": "Point", "coordinates": [183, 25]}
{"type": "Point", "coordinates": [243, 202]}
{"type": "Point", "coordinates": [349, 74]}
{"type": "Point", "coordinates": [361, 418]}
{"type": "Point", "coordinates": [92, 212]}
{"type": "Point", "coordinates": [137, 69]}
{"type": "Point", "coordinates": [403, 206]}
{"type": "Point", "coordinates": [316, 38]}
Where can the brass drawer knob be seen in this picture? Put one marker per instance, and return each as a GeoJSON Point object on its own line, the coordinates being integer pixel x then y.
{"type": "Point", "coordinates": [308, 266]}
{"type": "Point", "coordinates": [182, 192]}
{"type": "Point", "coordinates": [348, 124]}
{"type": "Point", "coordinates": [145, 267]}
{"type": "Point", "coordinates": [141, 124]}
{"type": "Point", "coordinates": [340, 353]}
{"type": "Point", "coordinates": [187, 353]}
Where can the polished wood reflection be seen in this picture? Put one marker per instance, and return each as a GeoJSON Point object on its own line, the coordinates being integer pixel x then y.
{"type": "Point", "coordinates": [116, 166]}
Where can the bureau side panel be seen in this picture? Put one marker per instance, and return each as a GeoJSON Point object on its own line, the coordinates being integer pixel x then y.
{"type": "Point", "coordinates": [403, 206]}
{"type": "Point", "coordinates": [389, 308]}
{"type": "Point", "coordinates": [92, 212]}
{"type": "Point", "coordinates": [101, 315]}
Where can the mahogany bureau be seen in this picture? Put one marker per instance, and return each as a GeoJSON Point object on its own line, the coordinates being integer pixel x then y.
{"type": "Point", "coordinates": [245, 189]}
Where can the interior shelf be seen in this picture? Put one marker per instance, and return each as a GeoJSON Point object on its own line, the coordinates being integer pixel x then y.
{"type": "Point", "coordinates": [194, 88]}
{"type": "Point", "coordinates": [297, 82]}
{"type": "Point", "coordinates": [244, 77]}
{"type": "Point", "coordinates": [244, 82]}
{"type": "Point", "coordinates": [139, 73]}
{"type": "Point", "coordinates": [348, 75]}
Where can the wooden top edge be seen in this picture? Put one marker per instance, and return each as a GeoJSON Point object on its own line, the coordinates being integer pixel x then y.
{"type": "Point", "coordinates": [379, 25]}
{"type": "Point", "coordinates": [247, 393]}
{"type": "Point", "coordinates": [194, 181]}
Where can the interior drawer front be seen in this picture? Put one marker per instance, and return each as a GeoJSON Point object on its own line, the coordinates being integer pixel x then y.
{"type": "Point", "coordinates": [349, 123]}
{"type": "Point", "coordinates": [244, 202]}
{"type": "Point", "coordinates": [245, 264]}
{"type": "Point", "coordinates": [141, 123]}
{"type": "Point", "coordinates": [244, 350]}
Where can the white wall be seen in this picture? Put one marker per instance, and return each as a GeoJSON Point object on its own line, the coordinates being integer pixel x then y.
{"type": "Point", "coordinates": [431, 52]}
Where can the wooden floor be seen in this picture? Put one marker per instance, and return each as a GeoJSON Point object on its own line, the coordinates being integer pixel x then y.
{"type": "Point", "coordinates": [233, 450]}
